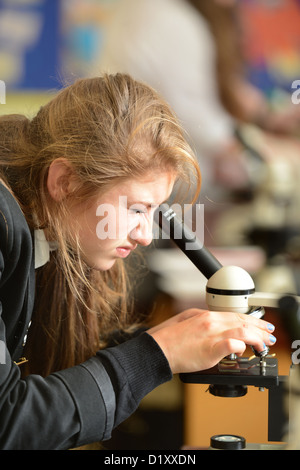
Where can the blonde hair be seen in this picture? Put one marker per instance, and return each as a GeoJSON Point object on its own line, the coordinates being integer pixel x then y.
{"type": "Point", "coordinates": [109, 128]}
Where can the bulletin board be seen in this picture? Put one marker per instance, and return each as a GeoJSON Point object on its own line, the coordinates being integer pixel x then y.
{"type": "Point", "coordinates": [29, 44]}
{"type": "Point", "coordinates": [271, 41]}
{"type": "Point", "coordinates": [44, 43]}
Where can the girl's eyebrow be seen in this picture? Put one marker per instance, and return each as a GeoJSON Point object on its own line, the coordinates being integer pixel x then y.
{"type": "Point", "coordinates": [144, 203]}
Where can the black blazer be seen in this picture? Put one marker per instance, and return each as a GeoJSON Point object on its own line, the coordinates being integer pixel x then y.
{"type": "Point", "coordinates": [17, 273]}
{"type": "Point", "coordinates": [76, 406]}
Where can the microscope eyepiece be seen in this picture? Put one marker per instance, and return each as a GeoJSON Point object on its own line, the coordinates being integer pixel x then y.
{"type": "Point", "coordinates": [186, 240]}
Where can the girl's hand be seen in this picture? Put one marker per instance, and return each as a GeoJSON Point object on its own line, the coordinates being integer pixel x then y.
{"type": "Point", "coordinates": [198, 339]}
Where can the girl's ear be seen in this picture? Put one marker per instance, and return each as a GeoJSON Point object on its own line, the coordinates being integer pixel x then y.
{"type": "Point", "coordinates": [61, 179]}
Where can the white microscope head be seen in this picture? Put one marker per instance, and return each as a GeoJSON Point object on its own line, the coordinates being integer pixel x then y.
{"type": "Point", "coordinates": [229, 290]}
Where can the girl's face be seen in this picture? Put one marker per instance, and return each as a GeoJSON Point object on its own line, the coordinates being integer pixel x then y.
{"type": "Point", "coordinates": [115, 223]}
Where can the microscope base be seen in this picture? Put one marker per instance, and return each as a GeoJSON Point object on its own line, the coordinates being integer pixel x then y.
{"type": "Point", "coordinates": [234, 377]}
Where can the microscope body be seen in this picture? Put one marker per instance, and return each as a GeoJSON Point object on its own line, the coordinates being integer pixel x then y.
{"type": "Point", "coordinates": [229, 288]}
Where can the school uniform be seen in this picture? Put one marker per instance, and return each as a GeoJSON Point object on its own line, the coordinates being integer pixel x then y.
{"type": "Point", "coordinates": [75, 406]}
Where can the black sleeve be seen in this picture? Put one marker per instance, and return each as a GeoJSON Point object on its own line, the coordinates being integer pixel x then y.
{"type": "Point", "coordinates": [82, 404]}
{"type": "Point", "coordinates": [136, 367]}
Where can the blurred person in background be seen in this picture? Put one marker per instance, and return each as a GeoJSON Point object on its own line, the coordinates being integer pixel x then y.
{"type": "Point", "coordinates": [190, 51]}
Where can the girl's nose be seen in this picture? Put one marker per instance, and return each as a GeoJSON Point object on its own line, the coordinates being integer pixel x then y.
{"type": "Point", "coordinates": [142, 234]}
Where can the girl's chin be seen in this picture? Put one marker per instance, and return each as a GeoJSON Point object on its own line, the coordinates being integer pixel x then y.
{"type": "Point", "coordinates": [101, 265]}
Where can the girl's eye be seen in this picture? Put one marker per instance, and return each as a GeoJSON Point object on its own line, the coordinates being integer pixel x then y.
{"type": "Point", "coordinates": [138, 210]}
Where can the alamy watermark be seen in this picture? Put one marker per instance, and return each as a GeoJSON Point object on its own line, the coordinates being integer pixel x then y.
{"type": "Point", "coordinates": [296, 94]}
{"type": "Point", "coordinates": [138, 220]}
{"type": "Point", "coordinates": [296, 354]}
{"type": "Point", "coordinates": [2, 92]}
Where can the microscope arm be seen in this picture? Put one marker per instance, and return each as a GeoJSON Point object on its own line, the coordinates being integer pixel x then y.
{"type": "Point", "coordinates": [269, 300]}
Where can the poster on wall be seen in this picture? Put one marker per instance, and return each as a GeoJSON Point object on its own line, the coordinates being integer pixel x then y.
{"type": "Point", "coordinates": [271, 30]}
{"type": "Point", "coordinates": [43, 43]}
{"type": "Point", "coordinates": [29, 44]}
{"type": "Point", "coordinates": [82, 26]}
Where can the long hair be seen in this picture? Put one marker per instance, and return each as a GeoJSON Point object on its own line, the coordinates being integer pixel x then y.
{"type": "Point", "coordinates": [109, 128]}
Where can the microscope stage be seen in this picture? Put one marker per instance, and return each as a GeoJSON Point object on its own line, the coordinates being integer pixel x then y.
{"type": "Point", "coordinates": [240, 371]}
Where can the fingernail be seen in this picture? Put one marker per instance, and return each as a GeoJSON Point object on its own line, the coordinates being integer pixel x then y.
{"type": "Point", "coordinates": [271, 327]}
{"type": "Point", "coordinates": [272, 339]}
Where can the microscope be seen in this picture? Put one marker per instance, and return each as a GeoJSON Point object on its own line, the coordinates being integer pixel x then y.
{"type": "Point", "coordinates": [231, 288]}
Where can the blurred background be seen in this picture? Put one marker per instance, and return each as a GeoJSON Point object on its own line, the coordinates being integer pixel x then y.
{"type": "Point", "coordinates": [231, 71]}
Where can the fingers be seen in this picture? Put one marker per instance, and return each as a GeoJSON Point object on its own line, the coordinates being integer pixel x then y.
{"type": "Point", "coordinates": [252, 331]}
{"type": "Point", "coordinates": [255, 332]}
{"type": "Point", "coordinates": [226, 347]}
{"type": "Point", "coordinates": [249, 335]}
{"type": "Point", "coordinates": [228, 319]}
{"type": "Point", "coordinates": [259, 323]}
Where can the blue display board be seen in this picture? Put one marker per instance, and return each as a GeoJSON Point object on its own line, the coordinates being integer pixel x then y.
{"type": "Point", "coordinates": [29, 44]}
